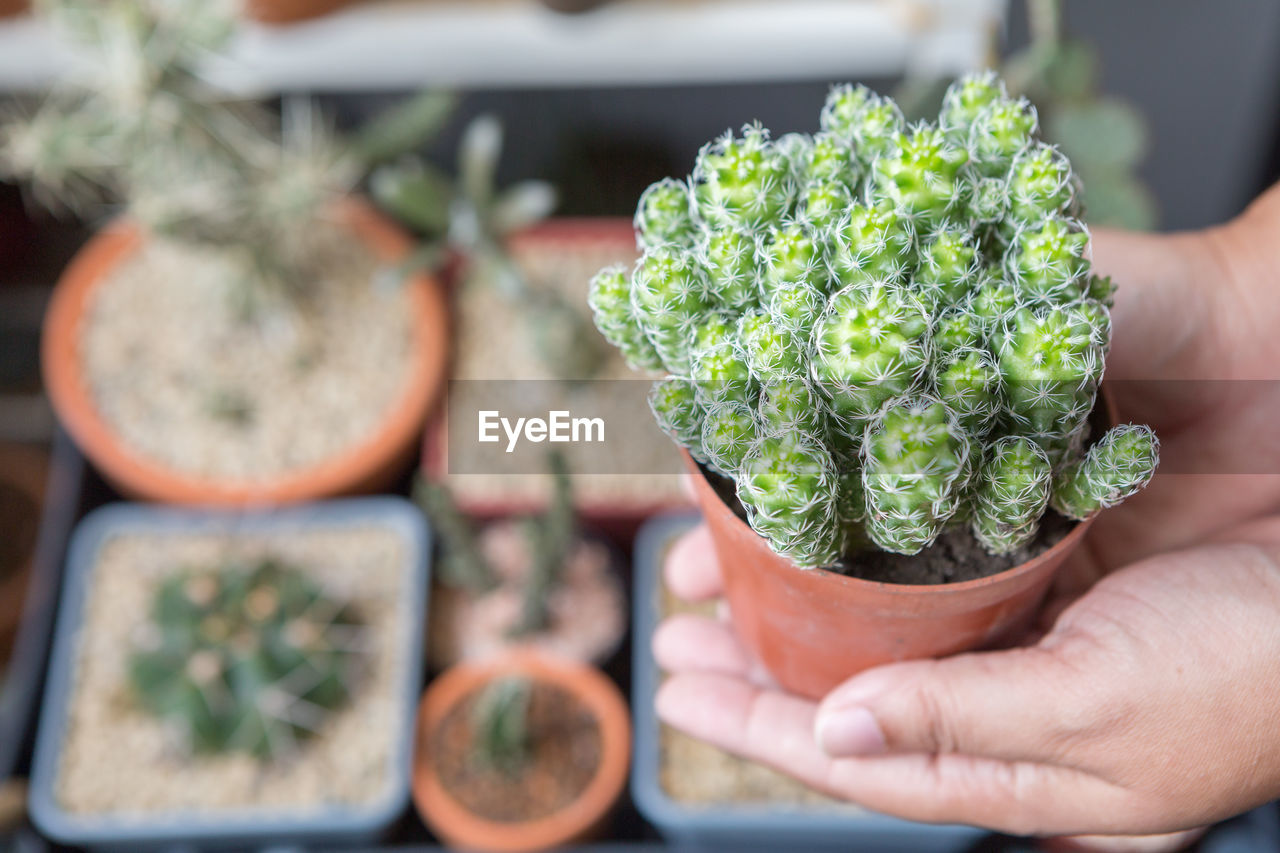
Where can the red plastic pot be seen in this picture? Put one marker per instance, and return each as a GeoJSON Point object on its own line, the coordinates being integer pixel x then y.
{"type": "Point", "coordinates": [813, 628]}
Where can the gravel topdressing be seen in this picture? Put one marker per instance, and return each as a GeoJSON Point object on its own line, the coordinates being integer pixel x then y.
{"type": "Point", "coordinates": [179, 373]}
{"type": "Point", "coordinates": [117, 759]}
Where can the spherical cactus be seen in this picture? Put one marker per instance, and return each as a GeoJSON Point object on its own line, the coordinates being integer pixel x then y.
{"type": "Point", "coordinates": [918, 174]}
{"type": "Point", "coordinates": [880, 332]}
{"type": "Point", "coordinates": [250, 658]}
{"type": "Point", "coordinates": [871, 345]}
{"type": "Point", "coordinates": [742, 182]}
{"type": "Point", "coordinates": [873, 241]}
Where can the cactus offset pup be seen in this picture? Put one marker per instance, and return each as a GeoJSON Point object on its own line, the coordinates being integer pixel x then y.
{"type": "Point", "coordinates": [880, 331]}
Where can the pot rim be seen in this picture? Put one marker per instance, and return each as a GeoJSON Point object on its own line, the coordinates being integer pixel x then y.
{"type": "Point", "coordinates": [350, 469]}
{"type": "Point", "coordinates": [457, 824]}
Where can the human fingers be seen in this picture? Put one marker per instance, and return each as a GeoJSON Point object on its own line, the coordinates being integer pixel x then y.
{"type": "Point", "coordinates": [776, 729]}
{"type": "Point", "coordinates": [692, 570]}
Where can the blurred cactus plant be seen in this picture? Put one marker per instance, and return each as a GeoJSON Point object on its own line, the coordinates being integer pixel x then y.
{"type": "Point", "coordinates": [500, 723]}
{"type": "Point", "coordinates": [468, 219]}
{"type": "Point", "coordinates": [921, 349]}
{"type": "Point", "coordinates": [551, 535]}
{"type": "Point", "coordinates": [250, 658]}
{"type": "Point", "coordinates": [141, 124]}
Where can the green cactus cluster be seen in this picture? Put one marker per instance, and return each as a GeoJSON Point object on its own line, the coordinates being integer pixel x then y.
{"type": "Point", "coordinates": [882, 330]}
{"type": "Point", "coordinates": [248, 657]}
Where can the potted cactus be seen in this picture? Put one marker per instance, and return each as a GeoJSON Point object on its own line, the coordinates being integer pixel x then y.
{"type": "Point", "coordinates": [532, 582]}
{"type": "Point", "coordinates": [522, 752]}
{"type": "Point", "coordinates": [884, 346]}
{"type": "Point", "coordinates": [227, 679]}
{"type": "Point", "coordinates": [202, 348]}
{"type": "Point", "coordinates": [512, 268]}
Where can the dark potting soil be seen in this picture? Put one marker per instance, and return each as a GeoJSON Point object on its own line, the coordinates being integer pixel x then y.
{"type": "Point", "coordinates": [954, 557]}
{"type": "Point", "coordinates": [564, 739]}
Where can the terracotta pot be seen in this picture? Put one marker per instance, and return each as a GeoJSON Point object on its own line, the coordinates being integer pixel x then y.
{"type": "Point", "coordinates": [813, 628]}
{"type": "Point", "coordinates": [23, 472]}
{"type": "Point", "coordinates": [367, 465]}
{"type": "Point", "coordinates": [291, 11]}
{"type": "Point", "coordinates": [456, 825]}
{"type": "Point", "coordinates": [12, 7]}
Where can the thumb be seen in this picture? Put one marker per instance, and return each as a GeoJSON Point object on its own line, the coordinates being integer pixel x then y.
{"type": "Point", "coordinates": [1018, 705]}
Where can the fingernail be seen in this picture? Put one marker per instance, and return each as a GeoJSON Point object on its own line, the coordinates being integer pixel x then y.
{"type": "Point", "coordinates": [850, 731]}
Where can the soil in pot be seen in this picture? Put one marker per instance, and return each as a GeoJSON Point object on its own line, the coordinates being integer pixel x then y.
{"type": "Point", "coordinates": [185, 379]}
{"type": "Point", "coordinates": [564, 744]}
{"type": "Point", "coordinates": [118, 758]}
{"type": "Point", "coordinates": [562, 255]}
{"type": "Point", "coordinates": [586, 606]}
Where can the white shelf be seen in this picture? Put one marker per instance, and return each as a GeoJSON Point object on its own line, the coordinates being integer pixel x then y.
{"type": "Point", "coordinates": [406, 44]}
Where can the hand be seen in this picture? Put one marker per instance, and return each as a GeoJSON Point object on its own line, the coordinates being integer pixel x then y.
{"type": "Point", "coordinates": [1147, 705]}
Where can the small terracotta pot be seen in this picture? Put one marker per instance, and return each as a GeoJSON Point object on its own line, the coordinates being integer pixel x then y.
{"type": "Point", "coordinates": [24, 471]}
{"type": "Point", "coordinates": [12, 7]}
{"type": "Point", "coordinates": [813, 628]}
{"type": "Point", "coordinates": [367, 465]}
{"type": "Point", "coordinates": [456, 825]}
{"type": "Point", "coordinates": [291, 11]}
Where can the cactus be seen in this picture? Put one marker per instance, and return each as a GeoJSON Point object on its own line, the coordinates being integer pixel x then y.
{"type": "Point", "coordinates": [915, 464]}
{"type": "Point", "coordinates": [1011, 495]}
{"type": "Point", "coordinates": [665, 215]}
{"type": "Point", "coordinates": [251, 658]}
{"type": "Point", "coordinates": [500, 723]}
{"type": "Point", "coordinates": [879, 332]}
{"type": "Point", "coordinates": [1115, 468]}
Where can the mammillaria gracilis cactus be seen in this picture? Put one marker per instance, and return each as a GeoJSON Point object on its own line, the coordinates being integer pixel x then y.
{"type": "Point", "coordinates": [880, 331]}
{"type": "Point", "coordinates": [248, 658]}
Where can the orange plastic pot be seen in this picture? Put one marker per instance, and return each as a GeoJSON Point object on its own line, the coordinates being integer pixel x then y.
{"type": "Point", "coordinates": [367, 465]}
{"type": "Point", "coordinates": [457, 826]}
{"type": "Point", "coordinates": [813, 628]}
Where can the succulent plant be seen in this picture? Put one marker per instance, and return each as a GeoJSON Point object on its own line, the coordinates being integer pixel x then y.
{"type": "Point", "coordinates": [500, 724]}
{"type": "Point", "coordinates": [247, 657]}
{"type": "Point", "coordinates": [881, 331]}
